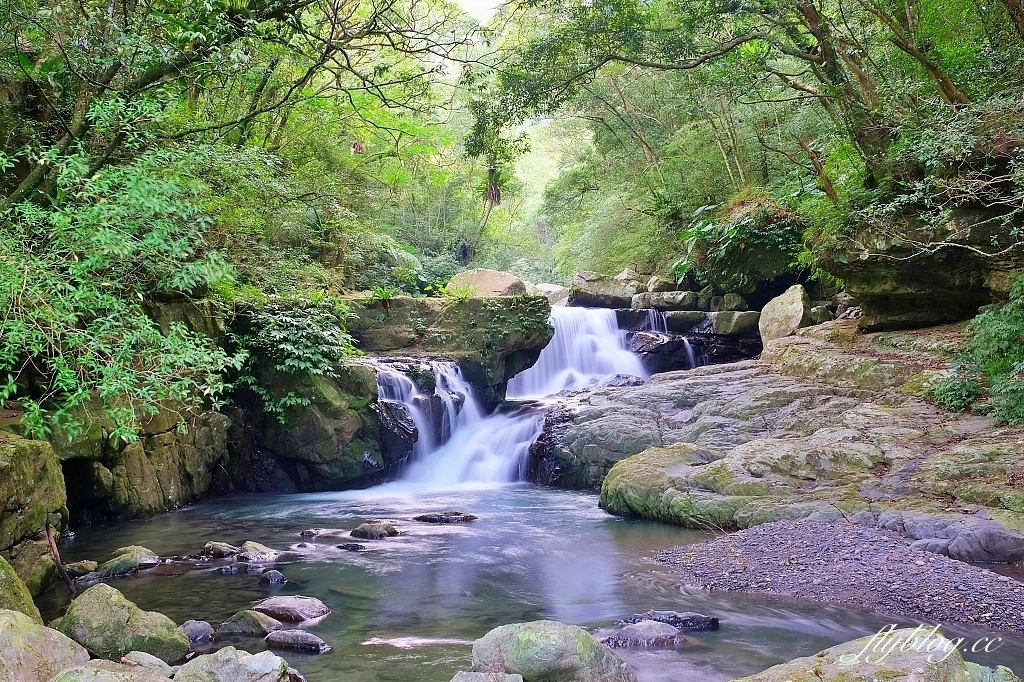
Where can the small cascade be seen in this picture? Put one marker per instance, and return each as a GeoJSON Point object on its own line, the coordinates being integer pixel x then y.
{"type": "Point", "coordinates": [454, 441]}
{"type": "Point", "coordinates": [657, 322]}
{"type": "Point", "coordinates": [587, 347]}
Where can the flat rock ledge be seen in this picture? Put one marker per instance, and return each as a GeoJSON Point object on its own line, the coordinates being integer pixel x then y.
{"type": "Point", "coordinates": [855, 565]}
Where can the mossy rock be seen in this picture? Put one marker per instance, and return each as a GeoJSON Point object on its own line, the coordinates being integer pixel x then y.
{"type": "Point", "coordinates": [14, 596]}
{"type": "Point", "coordinates": [31, 652]}
{"type": "Point", "coordinates": [109, 625]}
{"type": "Point", "coordinates": [864, 660]}
{"type": "Point", "coordinates": [32, 487]}
{"type": "Point", "coordinates": [549, 651]}
{"type": "Point", "coordinates": [252, 623]}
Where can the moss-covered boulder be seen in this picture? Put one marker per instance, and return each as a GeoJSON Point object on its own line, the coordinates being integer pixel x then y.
{"type": "Point", "coordinates": [249, 623]}
{"type": "Point", "coordinates": [30, 652]}
{"type": "Point", "coordinates": [108, 671]}
{"type": "Point", "coordinates": [171, 464]}
{"type": "Point", "coordinates": [232, 665]}
{"type": "Point", "coordinates": [33, 497]}
{"type": "Point", "coordinates": [107, 624]}
{"type": "Point", "coordinates": [549, 651]}
{"type": "Point", "coordinates": [594, 290]}
{"type": "Point", "coordinates": [913, 656]}
{"type": "Point", "coordinates": [492, 339]}
{"type": "Point", "coordinates": [14, 596]}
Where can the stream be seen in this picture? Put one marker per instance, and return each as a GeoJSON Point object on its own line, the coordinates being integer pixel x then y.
{"type": "Point", "coordinates": [408, 608]}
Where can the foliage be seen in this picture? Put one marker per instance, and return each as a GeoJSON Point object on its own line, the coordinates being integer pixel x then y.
{"type": "Point", "coordinates": [744, 244]}
{"type": "Point", "coordinates": [992, 367]}
{"type": "Point", "coordinates": [74, 278]}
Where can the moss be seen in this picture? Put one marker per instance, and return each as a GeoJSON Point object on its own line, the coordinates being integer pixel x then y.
{"type": "Point", "coordinates": [14, 595]}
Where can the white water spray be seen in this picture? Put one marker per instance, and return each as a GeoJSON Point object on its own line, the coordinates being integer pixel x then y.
{"type": "Point", "coordinates": [587, 347]}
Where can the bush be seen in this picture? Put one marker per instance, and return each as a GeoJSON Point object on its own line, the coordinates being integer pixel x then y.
{"type": "Point", "coordinates": [73, 277]}
{"type": "Point", "coordinates": [749, 241]}
{"type": "Point", "coordinates": [992, 367]}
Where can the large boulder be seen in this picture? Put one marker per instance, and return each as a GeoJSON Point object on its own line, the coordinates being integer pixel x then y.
{"type": "Point", "coordinates": [593, 290]}
{"type": "Point", "coordinates": [734, 323]}
{"type": "Point", "coordinates": [109, 625]}
{"type": "Point", "coordinates": [232, 665]}
{"type": "Point", "coordinates": [549, 651]}
{"type": "Point", "coordinates": [483, 283]}
{"type": "Point", "coordinates": [14, 595]}
{"type": "Point", "coordinates": [30, 652]}
{"type": "Point", "coordinates": [294, 609]}
{"type": "Point", "coordinates": [785, 314]}
{"type": "Point", "coordinates": [109, 671]}
{"type": "Point", "coordinates": [33, 497]}
{"type": "Point", "coordinates": [553, 292]}
{"type": "Point", "coordinates": [672, 300]}
{"type": "Point", "coordinates": [168, 466]}
{"type": "Point", "coordinates": [124, 561]}
{"type": "Point", "coordinates": [895, 656]}
{"type": "Point", "coordinates": [252, 623]}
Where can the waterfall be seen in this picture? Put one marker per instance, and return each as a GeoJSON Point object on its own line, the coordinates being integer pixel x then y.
{"type": "Point", "coordinates": [456, 442]}
{"type": "Point", "coordinates": [587, 347]}
{"type": "Point", "coordinates": [657, 322]}
{"type": "Point", "coordinates": [690, 356]}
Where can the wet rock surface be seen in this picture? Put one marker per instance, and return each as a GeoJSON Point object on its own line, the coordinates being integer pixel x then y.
{"type": "Point", "coordinates": [851, 564]}
{"type": "Point", "coordinates": [686, 620]}
{"type": "Point", "coordinates": [297, 640]}
{"type": "Point", "coordinates": [232, 665]}
{"type": "Point", "coordinates": [646, 633]}
{"type": "Point", "coordinates": [374, 531]}
{"type": "Point", "coordinates": [198, 631]}
{"type": "Point", "coordinates": [30, 652]}
{"type": "Point", "coordinates": [273, 578]}
{"type": "Point", "coordinates": [292, 609]}
{"type": "Point", "coordinates": [250, 623]}
{"type": "Point", "coordinates": [446, 517]}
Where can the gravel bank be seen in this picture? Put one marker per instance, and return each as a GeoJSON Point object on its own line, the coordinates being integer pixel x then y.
{"type": "Point", "coordinates": [850, 564]}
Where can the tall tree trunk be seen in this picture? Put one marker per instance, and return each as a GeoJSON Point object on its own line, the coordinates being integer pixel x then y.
{"type": "Point", "coordinates": [1015, 8]}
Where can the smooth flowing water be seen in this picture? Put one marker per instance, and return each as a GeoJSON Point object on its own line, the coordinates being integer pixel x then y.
{"type": "Point", "coordinates": [587, 347]}
{"type": "Point", "coordinates": [409, 607]}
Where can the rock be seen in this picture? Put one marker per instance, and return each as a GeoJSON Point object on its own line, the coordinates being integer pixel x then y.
{"type": "Point", "coordinates": [734, 323]}
{"type": "Point", "coordinates": [785, 314]}
{"type": "Point", "coordinates": [255, 553]}
{"type": "Point", "coordinates": [297, 640]}
{"type": "Point", "coordinates": [672, 300]}
{"type": "Point", "coordinates": [592, 290]}
{"type": "Point", "coordinates": [704, 297]}
{"type": "Point", "coordinates": [325, 533]}
{"type": "Point", "coordinates": [145, 558]}
{"type": "Point", "coordinates": [79, 568]}
{"type": "Point", "coordinates": [641, 301]}
{"type": "Point", "coordinates": [294, 609]}
{"type": "Point", "coordinates": [903, 663]}
{"type": "Point", "coordinates": [657, 284]}
{"type": "Point", "coordinates": [351, 547]}
{"type": "Point", "coordinates": [684, 321]}
{"type": "Point", "coordinates": [141, 658]}
{"type": "Point", "coordinates": [124, 561]}
{"type": "Point", "coordinates": [374, 531]}
{"type": "Point", "coordinates": [220, 550]}
{"type": "Point", "coordinates": [14, 595]}
{"type": "Point", "coordinates": [486, 677]}
{"type": "Point", "coordinates": [687, 620]}
{"type": "Point", "coordinates": [446, 517]}
{"type": "Point", "coordinates": [198, 631]}
{"type": "Point", "coordinates": [546, 650]}
{"type": "Point", "coordinates": [107, 624]}
{"type": "Point", "coordinates": [31, 652]}
{"type": "Point", "coordinates": [231, 665]}
{"type": "Point", "coordinates": [273, 578]}
{"type": "Point", "coordinates": [109, 671]}
{"type": "Point", "coordinates": [487, 283]}
{"type": "Point", "coordinates": [728, 302]}
{"type": "Point", "coordinates": [553, 292]}
{"type": "Point", "coordinates": [644, 634]}
{"type": "Point", "coordinates": [34, 497]}
{"type": "Point", "coordinates": [295, 676]}
{"type": "Point", "coordinates": [820, 314]}
{"type": "Point", "coordinates": [165, 468]}
{"type": "Point", "coordinates": [250, 623]}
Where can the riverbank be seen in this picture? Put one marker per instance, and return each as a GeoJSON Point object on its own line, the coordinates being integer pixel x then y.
{"type": "Point", "coordinates": [853, 565]}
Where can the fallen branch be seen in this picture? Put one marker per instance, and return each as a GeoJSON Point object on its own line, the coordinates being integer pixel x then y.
{"type": "Point", "coordinates": [56, 559]}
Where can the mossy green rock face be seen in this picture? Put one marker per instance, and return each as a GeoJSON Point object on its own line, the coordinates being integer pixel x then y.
{"type": "Point", "coordinates": [14, 595]}
{"type": "Point", "coordinates": [231, 665]}
{"type": "Point", "coordinates": [107, 624]}
{"type": "Point", "coordinates": [549, 651]}
{"type": "Point", "coordinates": [914, 657]}
{"type": "Point", "coordinates": [108, 671]}
{"type": "Point", "coordinates": [251, 623]}
{"type": "Point", "coordinates": [30, 652]}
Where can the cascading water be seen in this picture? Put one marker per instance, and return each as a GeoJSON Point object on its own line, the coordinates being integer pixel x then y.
{"type": "Point", "coordinates": [461, 444]}
{"type": "Point", "coordinates": [587, 347]}
{"type": "Point", "coordinates": [657, 322]}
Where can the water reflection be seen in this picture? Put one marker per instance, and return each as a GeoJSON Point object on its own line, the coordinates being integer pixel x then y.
{"type": "Point", "coordinates": [405, 608]}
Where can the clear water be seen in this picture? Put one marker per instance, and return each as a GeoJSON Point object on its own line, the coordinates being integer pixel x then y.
{"type": "Point", "coordinates": [409, 607]}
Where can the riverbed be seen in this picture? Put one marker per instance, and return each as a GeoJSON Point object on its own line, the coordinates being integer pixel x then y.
{"type": "Point", "coordinates": [408, 608]}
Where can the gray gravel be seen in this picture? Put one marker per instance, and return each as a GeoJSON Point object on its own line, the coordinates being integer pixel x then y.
{"type": "Point", "coordinates": [851, 564]}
